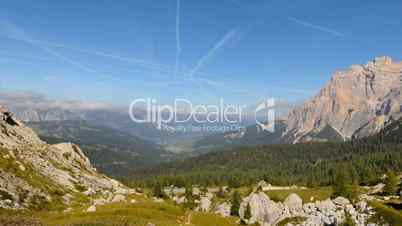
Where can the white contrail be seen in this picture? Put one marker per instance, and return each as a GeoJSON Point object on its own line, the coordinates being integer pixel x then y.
{"type": "Point", "coordinates": [213, 51]}
{"type": "Point", "coordinates": [116, 57]}
{"type": "Point", "coordinates": [68, 60]}
{"type": "Point", "coordinates": [12, 31]}
{"type": "Point", "coordinates": [236, 2]}
{"type": "Point", "coordinates": [146, 64]}
{"type": "Point", "coordinates": [178, 41]}
{"type": "Point", "coordinates": [316, 27]}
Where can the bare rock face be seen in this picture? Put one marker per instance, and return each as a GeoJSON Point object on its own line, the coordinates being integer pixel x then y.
{"type": "Point", "coordinates": [32, 171]}
{"type": "Point", "coordinates": [360, 99]}
{"type": "Point", "coordinates": [223, 209]}
{"type": "Point", "coordinates": [294, 203]}
{"type": "Point", "coordinates": [205, 204]}
{"type": "Point", "coordinates": [263, 210]}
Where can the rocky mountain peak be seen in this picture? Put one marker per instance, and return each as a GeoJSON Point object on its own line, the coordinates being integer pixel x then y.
{"type": "Point", "coordinates": [382, 61]}
{"type": "Point", "coordinates": [350, 100]}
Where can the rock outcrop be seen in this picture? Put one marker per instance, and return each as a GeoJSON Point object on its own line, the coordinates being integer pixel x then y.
{"type": "Point", "coordinates": [327, 212]}
{"type": "Point", "coordinates": [355, 102]}
{"type": "Point", "coordinates": [33, 172]}
{"type": "Point", "coordinates": [294, 203]}
{"type": "Point", "coordinates": [263, 210]}
{"type": "Point", "coordinates": [223, 209]}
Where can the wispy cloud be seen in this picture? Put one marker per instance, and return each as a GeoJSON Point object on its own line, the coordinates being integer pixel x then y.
{"type": "Point", "coordinates": [211, 53]}
{"type": "Point", "coordinates": [316, 27]}
{"type": "Point", "coordinates": [26, 100]}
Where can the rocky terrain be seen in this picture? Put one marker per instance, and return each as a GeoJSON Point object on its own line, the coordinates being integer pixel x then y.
{"type": "Point", "coordinates": [34, 174]}
{"type": "Point", "coordinates": [266, 212]}
{"type": "Point", "coordinates": [327, 212]}
{"type": "Point", "coordinates": [356, 102]}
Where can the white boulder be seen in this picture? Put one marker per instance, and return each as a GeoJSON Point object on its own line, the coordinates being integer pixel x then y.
{"type": "Point", "coordinates": [294, 203]}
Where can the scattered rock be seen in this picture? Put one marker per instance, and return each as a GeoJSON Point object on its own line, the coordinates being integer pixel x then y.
{"type": "Point", "coordinates": [196, 191]}
{"type": "Point", "coordinates": [341, 201]}
{"type": "Point", "coordinates": [100, 202]}
{"type": "Point", "coordinates": [377, 189]}
{"type": "Point", "coordinates": [223, 209]}
{"type": "Point", "coordinates": [179, 200]}
{"type": "Point", "coordinates": [205, 204]}
{"type": "Point", "coordinates": [68, 210]}
{"type": "Point", "coordinates": [118, 198]}
{"type": "Point", "coordinates": [91, 209]}
{"type": "Point", "coordinates": [157, 200]}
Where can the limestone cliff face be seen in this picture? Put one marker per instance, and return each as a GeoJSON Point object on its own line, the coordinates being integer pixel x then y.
{"type": "Point", "coordinates": [358, 100]}
{"type": "Point", "coordinates": [33, 172]}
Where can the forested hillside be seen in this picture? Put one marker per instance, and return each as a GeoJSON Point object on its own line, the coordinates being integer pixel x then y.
{"type": "Point", "coordinates": [111, 151]}
{"type": "Point", "coordinates": [310, 164]}
{"type": "Point", "coordinates": [251, 136]}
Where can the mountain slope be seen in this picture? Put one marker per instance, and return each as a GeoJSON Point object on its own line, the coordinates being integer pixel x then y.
{"type": "Point", "coordinates": [34, 174]}
{"type": "Point", "coordinates": [353, 100]}
{"type": "Point", "coordinates": [113, 152]}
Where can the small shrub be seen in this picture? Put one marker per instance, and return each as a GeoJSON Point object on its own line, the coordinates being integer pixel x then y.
{"type": "Point", "coordinates": [67, 155]}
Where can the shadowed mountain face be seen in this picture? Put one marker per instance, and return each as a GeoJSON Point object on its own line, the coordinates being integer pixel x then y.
{"type": "Point", "coordinates": [112, 151]}
{"type": "Point", "coordinates": [360, 99]}
{"type": "Point", "coordinates": [393, 132]}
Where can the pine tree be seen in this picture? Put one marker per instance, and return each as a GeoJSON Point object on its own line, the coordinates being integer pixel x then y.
{"type": "Point", "coordinates": [221, 193]}
{"type": "Point", "coordinates": [236, 199]}
{"type": "Point", "coordinates": [354, 190]}
{"type": "Point", "coordinates": [391, 183]}
{"type": "Point", "coordinates": [311, 181]}
{"type": "Point", "coordinates": [247, 212]}
{"type": "Point", "coordinates": [157, 191]}
{"type": "Point", "coordinates": [190, 203]}
{"type": "Point", "coordinates": [340, 183]}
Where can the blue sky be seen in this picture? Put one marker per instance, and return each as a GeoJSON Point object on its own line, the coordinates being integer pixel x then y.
{"type": "Point", "coordinates": [239, 50]}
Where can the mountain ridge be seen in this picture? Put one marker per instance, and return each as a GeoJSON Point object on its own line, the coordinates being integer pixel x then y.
{"type": "Point", "coordinates": [350, 100]}
{"type": "Point", "coordinates": [34, 174]}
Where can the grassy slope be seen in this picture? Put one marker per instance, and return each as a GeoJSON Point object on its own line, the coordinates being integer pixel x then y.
{"type": "Point", "coordinates": [125, 214]}
{"type": "Point", "coordinates": [388, 214]}
{"type": "Point", "coordinates": [320, 193]}
{"type": "Point", "coordinates": [35, 179]}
